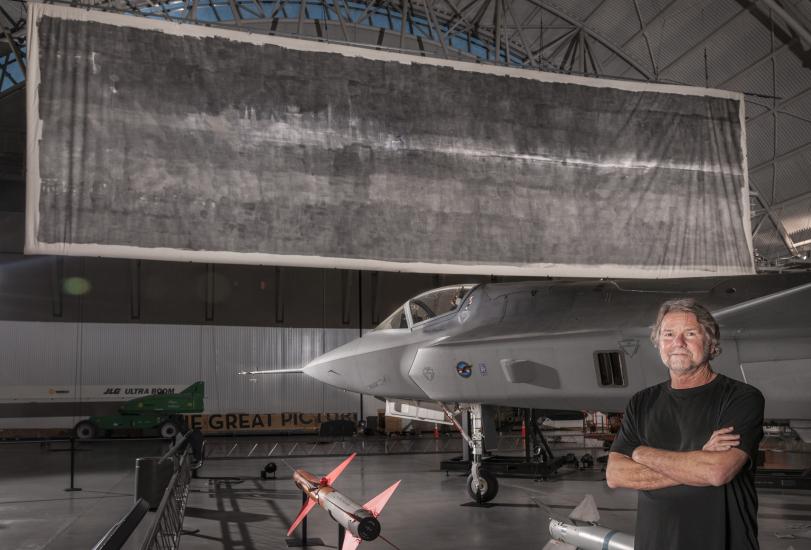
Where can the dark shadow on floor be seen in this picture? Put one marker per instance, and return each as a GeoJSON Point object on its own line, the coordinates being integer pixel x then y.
{"type": "Point", "coordinates": [222, 515]}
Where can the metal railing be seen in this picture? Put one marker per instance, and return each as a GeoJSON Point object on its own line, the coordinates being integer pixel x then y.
{"type": "Point", "coordinates": [166, 529]}
{"type": "Point", "coordinates": [117, 536]}
{"type": "Point", "coordinates": [447, 443]}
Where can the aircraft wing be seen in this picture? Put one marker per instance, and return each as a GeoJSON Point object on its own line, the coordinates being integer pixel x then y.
{"type": "Point", "coordinates": [789, 308]}
{"type": "Point", "coordinates": [482, 335]}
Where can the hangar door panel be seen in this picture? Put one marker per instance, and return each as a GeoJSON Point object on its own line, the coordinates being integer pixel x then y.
{"type": "Point", "coordinates": [151, 139]}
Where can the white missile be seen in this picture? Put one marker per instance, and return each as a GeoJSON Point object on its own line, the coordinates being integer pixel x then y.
{"type": "Point", "coordinates": [590, 537]}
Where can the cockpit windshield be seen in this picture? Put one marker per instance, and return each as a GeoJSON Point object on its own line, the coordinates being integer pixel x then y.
{"type": "Point", "coordinates": [395, 320]}
{"type": "Point", "coordinates": [427, 306]}
{"type": "Point", "coordinates": [437, 302]}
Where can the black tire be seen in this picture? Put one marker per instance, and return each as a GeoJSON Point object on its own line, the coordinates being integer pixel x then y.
{"type": "Point", "coordinates": [168, 430]}
{"type": "Point", "coordinates": [180, 422]}
{"type": "Point", "coordinates": [85, 430]}
{"type": "Point", "coordinates": [488, 487]}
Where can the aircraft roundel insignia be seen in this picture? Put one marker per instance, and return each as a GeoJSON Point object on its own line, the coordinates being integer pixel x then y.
{"type": "Point", "coordinates": [464, 369]}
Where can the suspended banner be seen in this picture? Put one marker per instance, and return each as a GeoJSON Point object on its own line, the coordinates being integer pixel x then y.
{"type": "Point", "coordinates": [159, 140]}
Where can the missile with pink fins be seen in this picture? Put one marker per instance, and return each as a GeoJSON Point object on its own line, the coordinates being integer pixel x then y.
{"type": "Point", "coordinates": [359, 521]}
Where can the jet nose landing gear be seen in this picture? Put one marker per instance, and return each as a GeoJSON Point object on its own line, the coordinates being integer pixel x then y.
{"type": "Point", "coordinates": [483, 489]}
{"type": "Point", "coordinates": [482, 486]}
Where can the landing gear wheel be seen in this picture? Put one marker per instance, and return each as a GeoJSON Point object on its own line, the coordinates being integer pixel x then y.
{"type": "Point", "coordinates": [85, 430]}
{"type": "Point", "coordinates": [169, 430]}
{"type": "Point", "coordinates": [487, 489]}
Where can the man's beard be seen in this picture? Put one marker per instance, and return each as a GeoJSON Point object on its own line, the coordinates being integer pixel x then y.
{"type": "Point", "coordinates": [684, 364]}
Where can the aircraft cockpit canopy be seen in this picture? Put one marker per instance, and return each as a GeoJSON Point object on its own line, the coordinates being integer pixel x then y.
{"type": "Point", "coordinates": [427, 306]}
{"type": "Point", "coordinates": [395, 320]}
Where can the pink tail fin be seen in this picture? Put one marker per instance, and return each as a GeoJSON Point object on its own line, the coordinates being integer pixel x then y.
{"type": "Point", "coordinates": [350, 542]}
{"type": "Point", "coordinates": [375, 506]}
{"type": "Point", "coordinates": [330, 478]}
{"type": "Point", "coordinates": [304, 511]}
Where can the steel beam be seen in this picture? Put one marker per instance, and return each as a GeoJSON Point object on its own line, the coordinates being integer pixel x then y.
{"type": "Point", "coordinates": [403, 21]}
{"type": "Point", "coordinates": [793, 200]}
{"type": "Point", "coordinates": [520, 32]}
{"type": "Point", "coordinates": [703, 41]}
{"type": "Point", "coordinates": [302, 10]}
{"type": "Point", "coordinates": [644, 28]}
{"type": "Point", "coordinates": [338, 16]}
{"type": "Point", "coordinates": [15, 49]}
{"type": "Point", "coordinates": [790, 20]}
{"type": "Point", "coordinates": [596, 37]}
{"type": "Point", "coordinates": [429, 14]}
{"type": "Point", "coordinates": [778, 158]}
{"type": "Point", "coordinates": [776, 221]}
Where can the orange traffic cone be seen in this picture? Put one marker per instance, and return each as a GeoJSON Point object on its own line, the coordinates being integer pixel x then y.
{"type": "Point", "coordinates": [523, 429]}
{"type": "Point", "coordinates": [436, 431]}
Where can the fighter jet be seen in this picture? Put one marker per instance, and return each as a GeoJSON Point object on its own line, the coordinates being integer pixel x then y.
{"type": "Point", "coordinates": [570, 345]}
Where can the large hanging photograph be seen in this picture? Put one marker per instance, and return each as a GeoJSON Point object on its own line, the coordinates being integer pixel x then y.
{"type": "Point", "coordinates": [214, 145]}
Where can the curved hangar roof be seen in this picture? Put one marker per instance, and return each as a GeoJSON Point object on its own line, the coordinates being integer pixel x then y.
{"type": "Point", "coordinates": [760, 48]}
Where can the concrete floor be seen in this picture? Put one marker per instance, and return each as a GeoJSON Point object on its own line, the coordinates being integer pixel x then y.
{"type": "Point", "coordinates": [426, 512]}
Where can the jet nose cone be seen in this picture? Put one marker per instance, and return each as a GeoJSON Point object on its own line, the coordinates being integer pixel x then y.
{"type": "Point", "coordinates": [333, 367]}
{"type": "Point", "coordinates": [376, 366]}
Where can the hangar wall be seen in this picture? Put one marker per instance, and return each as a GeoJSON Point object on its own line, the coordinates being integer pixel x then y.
{"type": "Point", "coordinates": [106, 290]}
{"type": "Point", "coordinates": [102, 322]}
{"type": "Point", "coordinates": [50, 367]}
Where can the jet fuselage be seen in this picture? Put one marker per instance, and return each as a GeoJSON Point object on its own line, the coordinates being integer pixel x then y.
{"type": "Point", "coordinates": [575, 344]}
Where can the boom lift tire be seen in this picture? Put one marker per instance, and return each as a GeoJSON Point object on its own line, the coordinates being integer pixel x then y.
{"type": "Point", "coordinates": [85, 430]}
{"type": "Point", "coordinates": [169, 430]}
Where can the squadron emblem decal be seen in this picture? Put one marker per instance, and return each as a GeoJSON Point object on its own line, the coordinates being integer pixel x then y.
{"type": "Point", "coordinates": [630, 346]}
{"type": "Point", "coordinates": [464, 369]}
{"type": "Point", "coordinates": [428, 373]}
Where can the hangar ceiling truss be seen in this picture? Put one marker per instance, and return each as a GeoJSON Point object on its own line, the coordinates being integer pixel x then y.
{"type": "Point", "coordinates": [761, 48]}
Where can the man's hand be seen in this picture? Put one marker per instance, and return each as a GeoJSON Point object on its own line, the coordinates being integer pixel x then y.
{"type": "Point", "coordinates": [623, 472]}
{"type": "Point", "coordinates": [722, 440]}
{"type": "Point", "coordinates": [696, 468]}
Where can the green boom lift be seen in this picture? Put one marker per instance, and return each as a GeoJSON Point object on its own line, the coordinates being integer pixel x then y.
{"type": "Point", "coordinates": [159, 411]}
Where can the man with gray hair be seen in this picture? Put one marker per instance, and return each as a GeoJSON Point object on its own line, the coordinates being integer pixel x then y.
{"type": "Point", "coordinates": [689, 444]}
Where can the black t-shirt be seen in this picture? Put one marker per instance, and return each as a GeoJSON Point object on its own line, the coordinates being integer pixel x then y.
{"type": "Point", "coordinates": [685, 517]}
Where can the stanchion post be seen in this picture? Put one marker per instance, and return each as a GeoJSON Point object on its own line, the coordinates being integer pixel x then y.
{"type": "Point", "coordinates": [72, 464]}
{"type": "Point", "coordinates": [304, 498]}
{"type": "Point", "coordinates": [304, 542]}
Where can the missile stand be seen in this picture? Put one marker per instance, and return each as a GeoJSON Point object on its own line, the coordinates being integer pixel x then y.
{"type": "Point", "coordinates": [304, 541]}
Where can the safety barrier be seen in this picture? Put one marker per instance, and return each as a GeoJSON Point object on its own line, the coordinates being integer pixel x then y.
{"type": "Point", "coordinates": [167, 527]}
{"type": "Point", "coordinates": [117, 536]}
{"type": "Point", "coordinates": [449, 443]}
